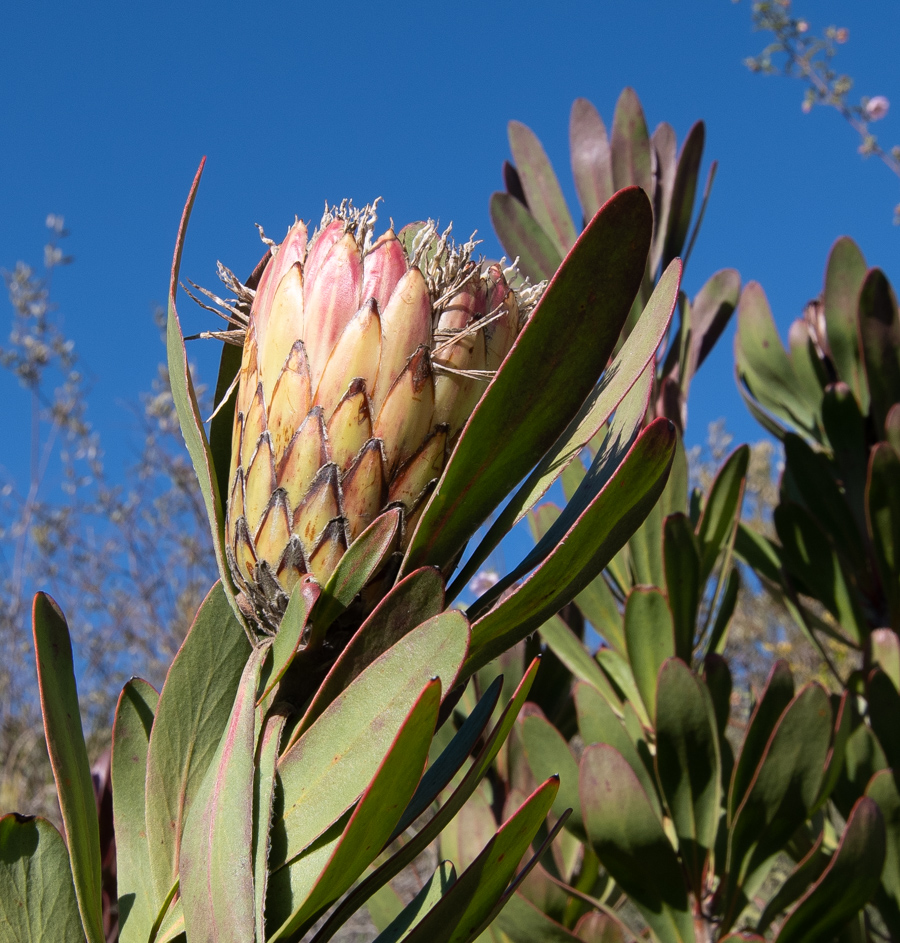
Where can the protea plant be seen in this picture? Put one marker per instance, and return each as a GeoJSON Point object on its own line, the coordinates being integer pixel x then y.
{"type": "Point", "coordinates": [379, 399]}
{"type": "Point", "coordinates": [362, 360]}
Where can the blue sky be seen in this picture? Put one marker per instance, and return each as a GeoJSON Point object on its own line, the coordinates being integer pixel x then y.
{"type": "Point", "coordinates": [107, 108]}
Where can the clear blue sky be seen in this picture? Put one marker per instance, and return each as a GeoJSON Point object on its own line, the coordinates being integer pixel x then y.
{"type": "Point", "coordinates": [106, 109]}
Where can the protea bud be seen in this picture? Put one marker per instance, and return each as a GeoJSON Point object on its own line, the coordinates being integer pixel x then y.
{"type": "Point", "coordinates": [362, 361]}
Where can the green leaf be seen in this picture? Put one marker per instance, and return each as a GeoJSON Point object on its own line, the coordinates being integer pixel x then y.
{"type": "Point", "coordinates": [809, 481]}
{"type": "Point", "coordinates": [629, 840]}
{"type": "Point", "coordinates": [863, 758]}
{"type": "Point", "coordinates": [619, 672]}
{"type": "Point", "coordinates": [718, 637]}
{"type": "Point", "coordinates": [411, 602]}
{"type": "Point", "coordinates": [370, 825]}
{"type": "Point", "coordinates": [845, 427]}
{"type": "Point", "coordinates": [722, 510]}
{"type": "Point", "coordinates": [885, 648]}
{"type": "Point", "coordinates": [631, 162]}
{"type": "Point", "coordinates": [711, 310]}
{"type": "Point", "coordinates": [548, 754]}
{"type": "Point", "coordinates": [542, 191]}
{"type": "Point", "coordinates": [682, 565]}
{"type": "Point", "coordinates": [440, 773]}
{"type": "Point", "coordinates": [622, 388]}
{"type": "Point", "coordinates": [138, 903]}
{"type": "Point", "coordinates": [834, 765]}
{"type": "Point", "coordinates": [460, 913]}
{"type": "Point", "coordinates": [684, 191]}
{"type": "Point", "coordinates": [357, 566]}
{"type": "Point", "coordinates": [185, 399]}
{"type": "Point", "coordinates": [844, 277]}
{"type": "Point", "coordinates": [650, 640]}
{"type": "Point", "coordinates": [585, 550]}
{"type": "Point", "coordinates": [597, 723]}
{"type": "Point", "coordinates": [326, 770]}
{"type": "Point", "coordinates": [263, 800]}
{"type": "Point", "coordinates": [599, 607]}
{"type": "Point", "coordinates": [664, 147]}
{"type": "Point", "coordinates": [521, 921]}
{"type": "Point", "coordinates": [808, 557]}
{"type": "Point", "coordinates": [717, 677]}
{"type": "Point", "coordinates": [764, 366]}
{"type": "Point", "coordinates": [812, 376]}
{"type": "Point", "coordinates": [883, 513]}
{"type": "Point", "coordinates": [439, 821]}
{"type": "Point", "coordinates": [570, 650]}
{"type": "Point", "coordinates": [879, 336]}
{"type": "Point", "coordinates": [808, 870]}
{"type": "Point", "coordinates": [883, 789]}
{"type": "Point", "coordinates": [215, 862]}
{"type": "Point", "coordinates": [781, 796]}
{"type": "Point", "coordinates": [471, 829]}
{"type": "Point", "coordinates": [777, 695]}
{"type": "Point", "coordinates": [37, 896]}
{"type": "Point", "coordinates": [555, 362]}
{"type": "Point", "coordinates": [884, 709]}
{"type": "Point", "coordinates": [69, 759]}
{"type": "Point", "coordinates": [193, 711]}
{"type": "Point", "coordinates": [221, 428]}
{"type": "Point", "coordinates": [591, 157]}
{"type": "Point", "coordinates": [688, 764]}
{"type": "Point", "coordinates": [523, 238]}
{"type": "Point", "coordinates": [291, 633]}
{"type": "Point", "coordinates": [433, 890]}
{"type": "Point", "coordinates": [848, 883]}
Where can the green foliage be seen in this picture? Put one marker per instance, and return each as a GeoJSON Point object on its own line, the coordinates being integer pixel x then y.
{"type": "Point", "coordinates": [279, 781]}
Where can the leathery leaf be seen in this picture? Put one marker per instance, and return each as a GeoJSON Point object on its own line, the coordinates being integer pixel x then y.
{"type": "Point", "coordinates": [432, 891]}
{"type": "Point", "coordinates": [326, 770]}
{"type": "Point", "coordinates": [629, 840]}
{"type": "Point", "coordinates": [69, 759]}
{"type": "Point", "coordinates": [37, 897]}
{"type": "Point", "coordinates": [688, 764]}
{"type": "Point", "coordinates": [848, 882]}
{"type": "Point", "coordinates": [192, 714]}
{"type": "Point", "coordinates": [185, 399]}
{"type": "Point", "coordinates": [444, 815]}
{"type": "Point", "coordinates": [649, 639]}
{"type": "Point", "coordinates": [460, 914]}
{"type": "Point", "coordinates": [215, 863]}
{"type": "Point", "coordinates": [554, 364]}
{"type": "Point", "coordinates": [626, 371]}
{"type": "Point", "coordinates": [589, 545]}
{"type": "Point", "coordinates": [138, 902]}
{"type": "Point", "coordinates": [308, 890]}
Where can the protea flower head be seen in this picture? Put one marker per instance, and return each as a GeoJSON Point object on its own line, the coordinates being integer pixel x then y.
{"type": "Point", "coordinates": [362, 360]}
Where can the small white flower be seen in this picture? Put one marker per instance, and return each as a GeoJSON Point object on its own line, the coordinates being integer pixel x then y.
{"type": "Point", "coordinates": [877, 108]}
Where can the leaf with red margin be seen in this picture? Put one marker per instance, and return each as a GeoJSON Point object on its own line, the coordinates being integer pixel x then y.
{"type": "Point", "coordinates": [215, 864]}
{"type": "Point", "coordinates": [37, 898]}
{"type": "Point", "coordinates": [318, 877]}
{"type": "Point", "coordinates": [414, 600]}
{"type": "Point", "coordinates": [462, 913]}
{"type": "Point", "coordinates": [189, 418]}
{"type": "Point", "coordinates": [542, 191]}
{"type": "Point", "coordinates": [138, 902]}
{"type": "Point", "coordinates": [848, 883]}
{"type": "Point", "coordinates": [552, 367]}
{"type": "Point", "coordinates": [69, 759]}
{"type": "Point", "coordinates": [591, 542]}
{"type": "Point", "coordinates": [430, 831]}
